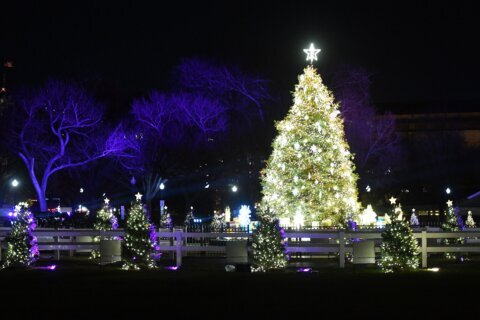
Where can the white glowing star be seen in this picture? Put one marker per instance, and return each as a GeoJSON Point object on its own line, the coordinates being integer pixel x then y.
{"type": "Point", "coordinates": [106, 200]}
{"type": "Point", "coordinates": [449, 203]}
{"type": "Point", "coordinates": [392, 200]}
{"type": "Point", "coordinates": [138, 196]}
{"type": "Point", "coordinates": [311, 53]}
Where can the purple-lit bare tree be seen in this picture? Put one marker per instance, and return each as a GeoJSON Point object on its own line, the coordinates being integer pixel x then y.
{"type": "Point", "coordinates": [240, 92]}
{"type": "Point", "coordinates": [372, 136]}
{"type": "Point", "coordinates": [166, 122]}
{"type": "Point", "coordinates": [60, 126]}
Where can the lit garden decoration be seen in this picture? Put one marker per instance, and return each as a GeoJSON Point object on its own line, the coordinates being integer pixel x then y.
{"type": "Point", "coordinates": [22, 249]}
{"type": "Point", "coordinates": [310, 172]}
{"type": "Point", "coordinates": [140, 243]}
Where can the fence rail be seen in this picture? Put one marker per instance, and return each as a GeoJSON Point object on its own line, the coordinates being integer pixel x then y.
{"type": "Point", "coordinates": [180, 242]}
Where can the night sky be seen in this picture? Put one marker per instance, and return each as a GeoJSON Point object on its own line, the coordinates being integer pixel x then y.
{"type": "Point", "coordinates": [419, 52]}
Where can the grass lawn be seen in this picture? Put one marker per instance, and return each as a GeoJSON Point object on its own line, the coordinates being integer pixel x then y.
{"type": "Point", "coordinates": [202, 287]}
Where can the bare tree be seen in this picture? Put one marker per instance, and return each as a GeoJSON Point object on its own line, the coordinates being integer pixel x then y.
{"type": "Point", "coordinates": [242, 92]}
{"type": "Point", "coordinates": [60, 126]}
{"type": "Point", "coordinates": [372, 136]}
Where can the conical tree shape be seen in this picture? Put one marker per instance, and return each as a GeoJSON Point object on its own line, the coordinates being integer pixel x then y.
{"type": "Point", "coordinates": [104, 221]}
{"type": "Point", "coordinates": [22, 249]}
{"type": "Point", "coordinates": [399, 247]}
{"type": "Point", "coordinates": [269, 247]}
{"type": "Point", "coordinates": [139, 241]}
{"type": "Point", "coordinates": [453, 222]}
{"type": "Point", "coordinates": [310, 170]}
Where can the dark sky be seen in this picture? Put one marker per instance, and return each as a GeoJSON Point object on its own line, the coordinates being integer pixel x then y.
{"type": "Point", "coordinates": [425, 51]}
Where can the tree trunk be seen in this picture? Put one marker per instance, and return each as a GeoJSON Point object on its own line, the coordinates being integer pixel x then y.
{"type": "Point", "coordinates": [42, 201]}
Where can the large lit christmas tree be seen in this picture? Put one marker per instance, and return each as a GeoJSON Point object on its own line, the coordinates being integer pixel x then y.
{"type": "Point", "coordinates": [310, 171]}
{"type": "Point", "coordinates": [269, 246]}
{"type": "Point", "coordinates": [104, 221]}
{"type": "Point", "coordinates": [140, 242]}
{"type": "Point", "coordinates": [22, 249]}
{"type": "Point", "coordinates": [399, 247]}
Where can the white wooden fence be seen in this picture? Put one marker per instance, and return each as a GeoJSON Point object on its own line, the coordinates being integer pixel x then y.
{"type": "Point", "coordinates": [336, 241]}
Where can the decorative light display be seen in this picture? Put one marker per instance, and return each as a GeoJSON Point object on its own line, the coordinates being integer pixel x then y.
{"type": "Point", "coordinates": [218, 221]}
{"type": "Point", "coordinates": [244, 216]}
{"type": "Point", "coordinates": [105, 221]}
{"type": "Point", "coordinates": [311, 168]}
{"type": "Point", "coordinates": [453, 222]}
{"type": "Point", "coordinates": [269, 245]}
{"type": "Point", "coordinates": [22, 249]}
{"type": "Point", "coordinates": [140, 239]}
{"type": "Point", "coordinates": [228, 214]}
{"type": "Point", "coordinates": [399, 248]}
{"type": "Point", "coordinates": [470, 223]}
{"type": "Point", "coordinates": [368, 217]}
{"type": "Point", "coordinates": [414, 219]}
{"type": "Point", "coordinates": [189, 218]}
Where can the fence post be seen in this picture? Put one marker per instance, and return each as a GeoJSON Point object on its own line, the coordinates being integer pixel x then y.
{"type": "Point", "coordinates": [341, 240]}
{"type": "Point", "coordinates": [178, 239]}
{"type": "Point", "coordinates": [424, 249]}
{"type": "Point", "coordinates": [57, 251]}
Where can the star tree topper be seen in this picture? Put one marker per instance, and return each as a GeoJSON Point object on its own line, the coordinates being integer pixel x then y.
{"type": "Point", "coordinates": [106, 200]}
{"type": "Point", "coordinates": [392, 200]}
{"type": "Point", "coordinates": [449, 203]}
{"type": "Point", "coordinates": [311, 53]}
{"type": "Point", "coordinates": [138, 195]}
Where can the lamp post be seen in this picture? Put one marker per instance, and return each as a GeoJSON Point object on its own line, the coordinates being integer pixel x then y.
{"type": "Point", "coordinates": [162, 202]}
{"type": "Point", "coordinates": [81, 200]}
{"type": "Point", "coordinates": [15, 184]}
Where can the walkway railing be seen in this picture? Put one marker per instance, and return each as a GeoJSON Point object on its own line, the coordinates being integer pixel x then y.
{"type": "Point", "coordinates": [176, 240]}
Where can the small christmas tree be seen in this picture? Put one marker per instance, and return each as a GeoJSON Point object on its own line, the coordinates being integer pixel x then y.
{"type": "Point", "coordinates": [453, 222]}
{"type": "Point", "coordinates": [166, 219]}
{"type": "Point", "coordinates": [189, 218]}
{"type": "Point", "coordinates": [22, 249]}
{"type": "Point", "coordinates": [470, 223]}
{"type": "Point", "coordinates": [244, 216]}
{"type": "Point", "coordinates": [399, 247]}
{"type": "Point", "coordinates": [414, 219]}
{"type": "Point", "coordinates": [269, 246]}
{"type": "Point", "coordinates": [218, 221]}
{"type": "Point", "coordinates": [140, 239]}
{"type": "Point", "coordinates": [105, 221]}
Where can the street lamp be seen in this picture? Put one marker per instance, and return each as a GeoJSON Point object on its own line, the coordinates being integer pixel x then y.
{"type": "Point", "coordinates": [234, 188]}
{"type": "Point", "coordinates": [15, 184]}
{"type": "Point", "coordinates": [448, 190]}
{"type": "Point", "coordinates": [162, 202]}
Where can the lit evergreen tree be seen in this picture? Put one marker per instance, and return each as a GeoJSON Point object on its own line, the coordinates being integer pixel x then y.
{"type": "Point", "coordinates": [104, 221]}
{"type": "Point", "coordinates": [189, 218]}
{"type": "Point", "coordinates": [269, 246]}
{"type": "Point", "coordinates": [310, 171]}
{"type": "Point", "coordinates": [140, 240]}
{"type": "Point", "coordinates": [414, 220]}
{"type": "Point", "coordinates": [470, 223]}
{"type": "Point", "coordinates": [399, 247]}
{"type": "Point", "coordinates": [453, 222]}
{"type": "Point", "coordinates": [22, 249]}
{"type": "Point", "coordinates": [166, 220]}
{"type": "Point", "coordinates": [218, 221]}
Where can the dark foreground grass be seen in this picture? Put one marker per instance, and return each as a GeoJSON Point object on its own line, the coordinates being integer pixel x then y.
{"type": "Point", "coordinates": [82, 288]}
